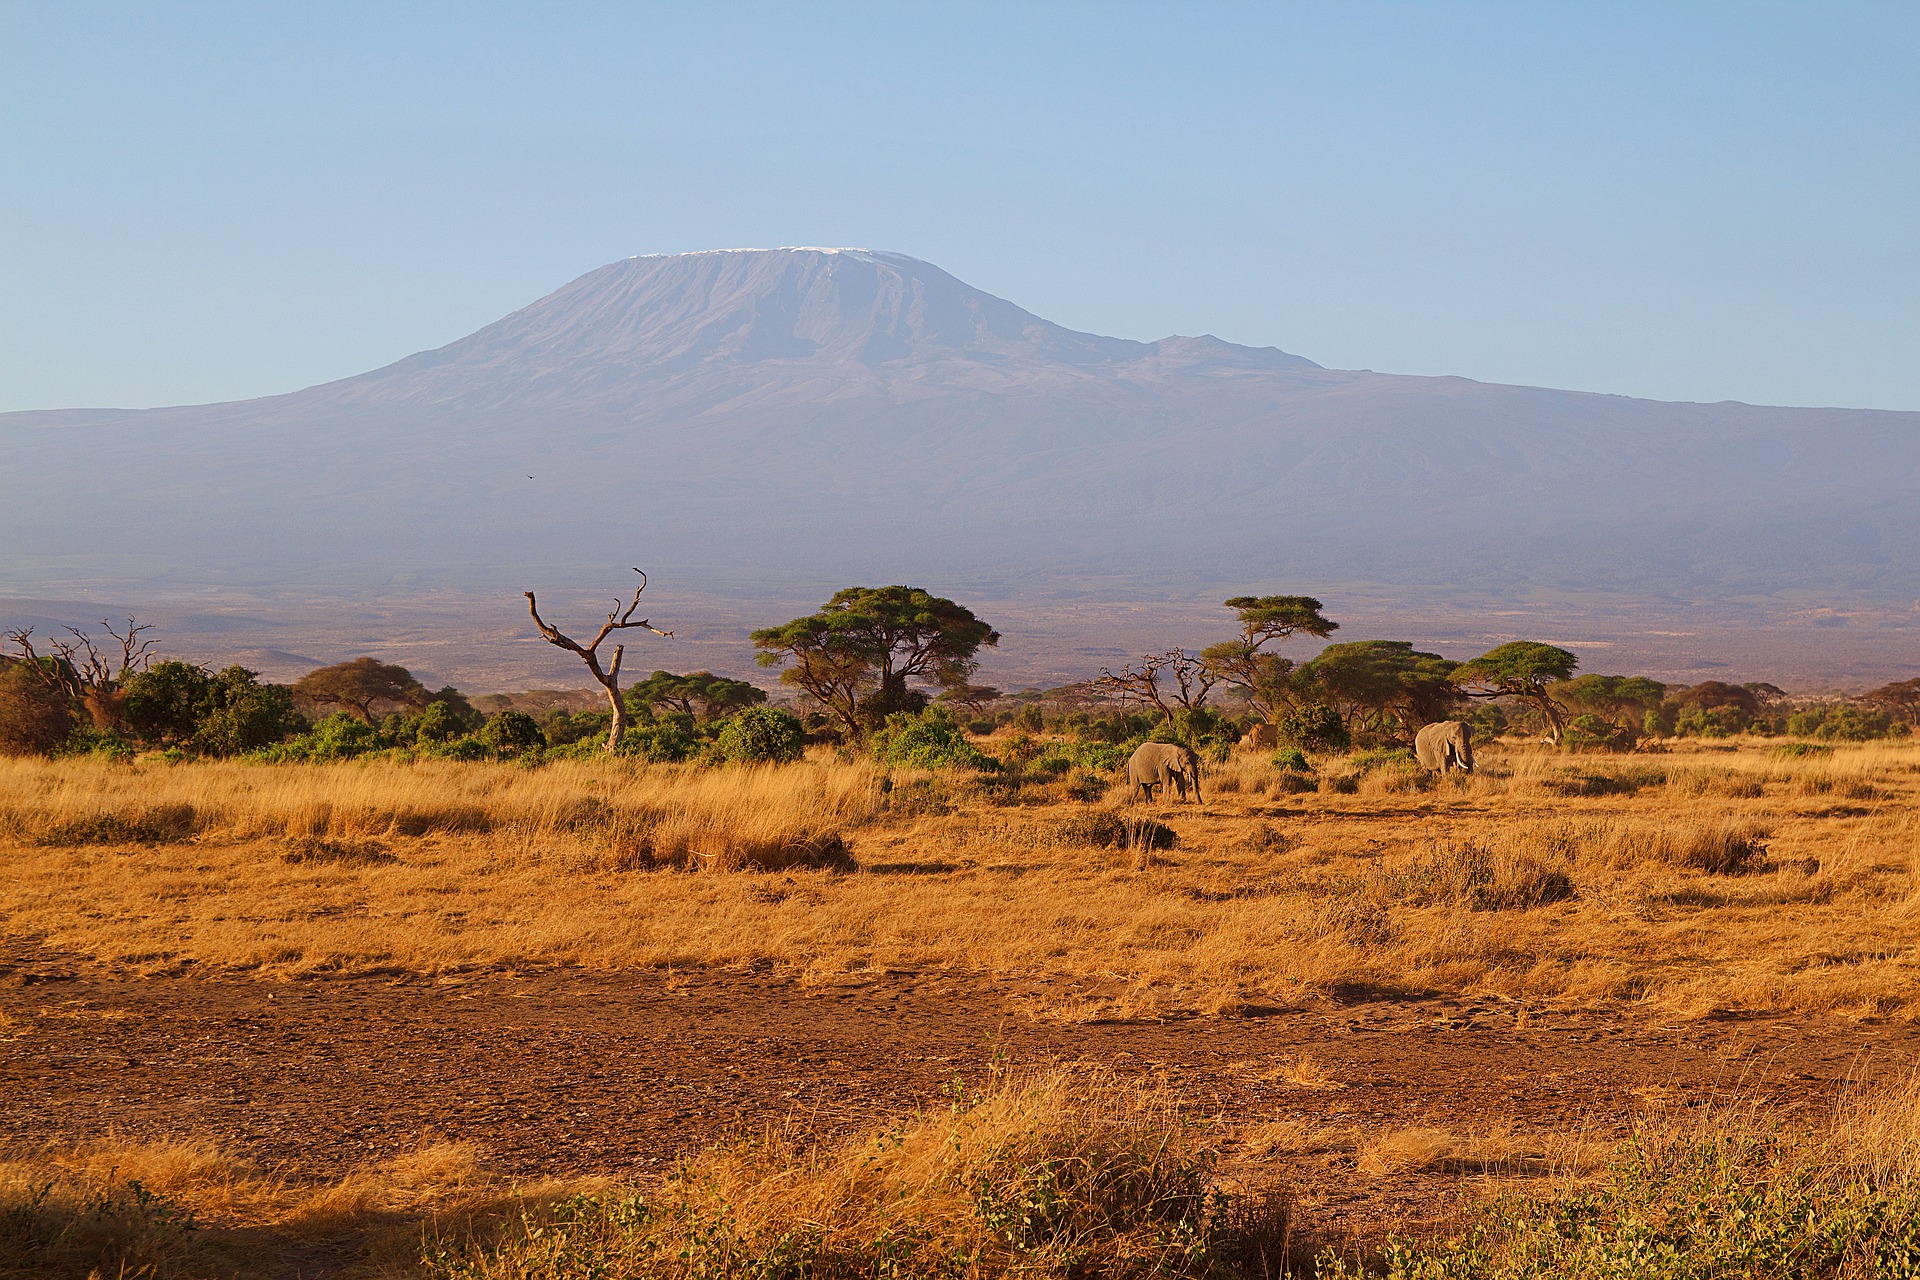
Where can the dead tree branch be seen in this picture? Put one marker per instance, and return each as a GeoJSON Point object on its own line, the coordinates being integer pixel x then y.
{"type": "Point", "coordinates": [618, 619]}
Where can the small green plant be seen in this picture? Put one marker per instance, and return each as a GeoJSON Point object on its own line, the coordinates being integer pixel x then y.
{"type": "Point", "coordinates": [1291, 760]}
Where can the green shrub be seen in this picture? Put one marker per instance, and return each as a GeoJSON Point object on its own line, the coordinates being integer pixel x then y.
{"type": "Point", "coordinates": [1843, 722]}
{"type": "Point", "coordinates": [467, 750]}
{"type": "Point", "coordinates": [241, 714]}
{"type": "Point", "coordinates": [760, 735]}
{"type": "Point", "coordinates": [929, 739]}
{"type": "Point", "coordinates": [1381, 758]}
{"type": "Point", "coordinates": [509, 733]}
{"type": "Point", "coordinates": [1313, 728]}
{"type": "Point", "coordinates": [1291, 760]}
{"type": "Point", "coordinates": [1712, 722]}
{"type": "Point", "coordinates": [338, 737]}
{"type": "Point", "coordinates": [164, 703]}
{"type": "Point", "coordinates": [1721, 1205]}
{"type": "Point", "coordinates": [662, 742]}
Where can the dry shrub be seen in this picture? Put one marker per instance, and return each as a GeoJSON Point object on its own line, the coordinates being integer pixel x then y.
{"type": "Point", "coordinates": [1354, 919]}
{"type": "Point", "coordinates": [1107, 829]}
{"type": "Point", "coordinates": [1728, 847]}
{"type": "Point", "coordinates": [149, 824]}
{"type": "Point", "coordinates": [1059, 1175]}
{"type": "Point", "coordinates": [1422, 1149]}
{"type": "Point", "coordinates": [1288, 783]}
{"type": "Point", "coordinates": [1304, 1072]}
{"type": "Point", "coordinates": [1474, 876]}
{"type": "Point", "coordinates": [1749, 1193]}
{"type": "Point", "coordinates": [1624, 783]}
{"type": "Point", "coordinates": [1096, 828]}
{"type": "Point", "coordinates": [1727, 783]}
{"type": "Point", "coordinates": [929, 797]}
{"type": "Point", "coordinates": [352, 853]}
{"type": "Point", "coordinates": [1264, 837]}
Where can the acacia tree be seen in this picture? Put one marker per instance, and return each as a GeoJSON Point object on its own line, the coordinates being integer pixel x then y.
{"type": "Point", "coordinates": [700, 695]}
{"type": "Point", "coordinates": [860, 655]}
{"type": "Point", "coordinates": [1622, 701]}
{"type": "Point", "coordinates": [1386, 686]}
{"type": "Point", "coordinates": [1901, 699]}
{"type": "Point", "coordinates": [1523, 669]}
{"type": "Point", "coordinates": [608, 676]}
{"type": "Point", "coordinates": [1243, 663]}
{"type": "Point", "coordinates": [360, 683]}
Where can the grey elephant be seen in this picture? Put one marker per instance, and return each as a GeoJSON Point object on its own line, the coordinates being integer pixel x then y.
{"type": "Point", "coordinates": [1156, 764]}
{"type": "Point", "coordinates": [1443, 746]}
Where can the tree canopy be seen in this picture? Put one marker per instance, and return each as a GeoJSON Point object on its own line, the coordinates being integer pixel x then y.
{"type": "Point", "coordinates": [861, 654]}
{"type": "Point", "coordinates": [1523, 669]}
{"type": "Point", "coordinates": [1901, 699]}
{"type": "Point", "coordinates": [1622, 701]}
{"type": "Point", "coordinates": [1243, 663]}
{"type": "Point", "coordinates": [1386, 686]}
{"type": "Point", "coordinates": [360, 684]}
{"type": "Point", "coordinates": [699, 694]}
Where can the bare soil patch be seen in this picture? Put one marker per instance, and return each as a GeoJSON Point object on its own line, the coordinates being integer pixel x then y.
{"type": "Point", "coordinates": [567, 1071]}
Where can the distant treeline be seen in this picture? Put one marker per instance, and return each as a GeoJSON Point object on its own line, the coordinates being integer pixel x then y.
{"type": "Point", "coordinates": [890, 669]}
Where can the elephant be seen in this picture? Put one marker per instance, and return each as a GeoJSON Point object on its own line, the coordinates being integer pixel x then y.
{"type": "Point", "coordinates": [1155, 764]}
{"type": "Point", "coordinates": [1445, 745]}
{"type": "Point", "coordinates": [1262, 737]}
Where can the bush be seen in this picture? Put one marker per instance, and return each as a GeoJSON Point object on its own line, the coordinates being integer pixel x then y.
{"type": "Point", "coordinates": [1712, 722]}
{"type": "Point", "coordinates": [34, 720]}
{"type": "Point", "coordinates": [662, 742]}
{"type": "Point", "coordinates": [929, 739]}
{"type": "Point", "coordinates": [164, 703]}
{"type": "Point", "coordinates": [338, 737]}
{"type": "Point", "coordinates": [1381, 758]}
{"type": "Point", "coordinates": [1056, 1177]}
{"type": "Point", "coordinates": [241, 714]}
{"type": "Point", "coordinates": [1291, 760]}
{"type": "Point", "coordinates": [1844, 723]}
{"type": "Point", "coordinates": [760, 735]}
{"type": "Point", "coordinates": [1773, 1203]}
{"type": "Point", "coordinates": [508, 733]}
{"type": "Point", "coordinates": [1315, 728]}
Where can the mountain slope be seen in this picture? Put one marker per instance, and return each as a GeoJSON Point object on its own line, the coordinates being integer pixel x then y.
{"type": "Point", "coordinates": [827, 415]}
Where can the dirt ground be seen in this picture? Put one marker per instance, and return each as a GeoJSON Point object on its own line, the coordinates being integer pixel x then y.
{"type": "Point", "coordinates": [569, 1071]}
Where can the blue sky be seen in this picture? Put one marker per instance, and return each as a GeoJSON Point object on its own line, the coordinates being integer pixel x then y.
{"type": "Point", "coordinates": [203, 202]}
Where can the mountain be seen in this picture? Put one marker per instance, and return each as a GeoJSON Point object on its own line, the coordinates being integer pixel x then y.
{"type": "Point", "coordinates": [820, 416]}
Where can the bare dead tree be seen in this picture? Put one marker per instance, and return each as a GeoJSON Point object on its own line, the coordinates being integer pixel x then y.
{"type": "Point", "coordinates": [1192, 679]}
{"type": "Point", "coordinates": [77, 667]}
{"type": "Point", "coordinates": [608, 676]}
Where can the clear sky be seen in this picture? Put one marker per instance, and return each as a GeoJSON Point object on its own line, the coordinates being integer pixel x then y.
{"type": "Point", "coordinates": [204, 202]}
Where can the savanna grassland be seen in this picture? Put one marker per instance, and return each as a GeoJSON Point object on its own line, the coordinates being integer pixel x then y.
{"type": "Point", "coordinates": [829, 1019]}
{"type": "Point", "coordinates": [1710, 877]}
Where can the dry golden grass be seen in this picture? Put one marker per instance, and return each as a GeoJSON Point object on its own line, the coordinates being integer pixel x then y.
{"type": "Point", "coordinates": [186, 1208]}
{"type": "Point", "coordinates": [1061, 1172]}
{"type": "Point", "coordinates": [1725, 875]}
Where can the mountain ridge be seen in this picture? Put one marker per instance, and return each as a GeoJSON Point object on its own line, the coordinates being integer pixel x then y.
{"type": "Point", "coordinates": [771, 414]}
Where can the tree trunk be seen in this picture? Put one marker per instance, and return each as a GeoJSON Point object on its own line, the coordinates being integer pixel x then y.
{"type": "Point", "coordinates": [618, 730]}
{"type": "Point", "coordinates": [610, 681]}
{"type": "Point", "coordinates": [1552, 710]}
